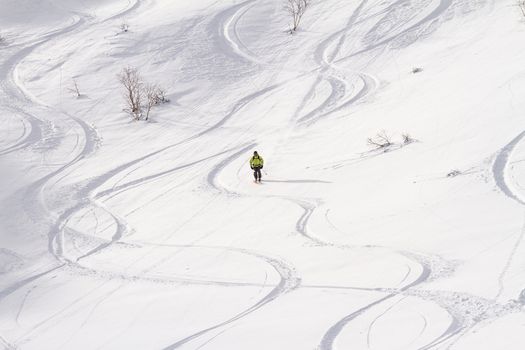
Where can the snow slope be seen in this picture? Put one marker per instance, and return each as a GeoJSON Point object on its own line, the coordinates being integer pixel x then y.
{"type": "Point", "coordinates": [151, 235]}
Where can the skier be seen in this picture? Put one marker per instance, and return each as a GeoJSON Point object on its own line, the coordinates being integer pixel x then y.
{"type": "Point", "coordinates": [256, 163]}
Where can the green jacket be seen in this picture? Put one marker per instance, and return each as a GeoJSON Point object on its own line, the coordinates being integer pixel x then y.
{"type": "Point", "coordinates": [256, 162]}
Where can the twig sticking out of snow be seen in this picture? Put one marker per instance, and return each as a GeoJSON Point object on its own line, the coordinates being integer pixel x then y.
{"type": "Point", "coordinates": [454, 173]}
{"type": "Point", "coordinates": [74, 90]}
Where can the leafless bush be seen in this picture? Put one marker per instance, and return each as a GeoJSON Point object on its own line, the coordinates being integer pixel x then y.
{"type": "Point", "coordinates": [124, 27]}
{"type": "Point", "coordinates": [381, 140]}
{"type": "Point", "coordinates": [416, 70]}
{"type": "Point", "coordinates": [155, 95]}
{"type": "Point", "coordinates": [407, 138]}
{"type": "Point", "coordinates": [132, 83]}
{"type": "Point", "coordinates": [296, 9]}
{"type": "Point", "coordinates": [454, 173]}
{"type": "Point", "coordinates": [140, 97]}
{"type": "Point", "coordinates": [151, 98]}
{"type": "Point", "coordinates": [74, 89]}
{"type": "Point", "coordinates": [160, 95]}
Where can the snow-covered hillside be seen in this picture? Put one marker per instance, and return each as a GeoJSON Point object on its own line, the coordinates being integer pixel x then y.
{"type": "Point", "coordinates": [121, 234]}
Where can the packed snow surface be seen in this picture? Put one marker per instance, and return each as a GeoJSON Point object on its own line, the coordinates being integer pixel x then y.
{"type": "Point", "coordinates": [121, 234]}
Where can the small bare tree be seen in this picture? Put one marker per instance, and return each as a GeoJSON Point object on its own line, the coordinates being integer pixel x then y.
{"type": "Point", "coordinates": [124, 27]}
{"type": "Point", "coordinates": [381, 140]}
{"type": "Point", "coordinates": [296, 9]}
{"type": "Point", "coordinates": [74, 89]}
{"type": "Point", "coordinates": [132, 83]}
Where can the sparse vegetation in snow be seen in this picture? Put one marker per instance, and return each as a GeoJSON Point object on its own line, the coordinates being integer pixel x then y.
{"type": "Point", "coordinates": [454, 173]}
{"type": "Point", "coordinates": [131, 82]}
{"type": "Point", "coordinates": [74, 88]}
{"type": "Point", "coordinates": [140, 97]}
{"type": "Point", "coordinates": [155, 95]}
{"type": "Point", "coordinates": [296, 10]}
{"type": "Point", "coordinates": [407, 139]}
{"type": "Point", "coordinates": [381, 140]}
{"type": "Point", "coordinates": [124, 27]}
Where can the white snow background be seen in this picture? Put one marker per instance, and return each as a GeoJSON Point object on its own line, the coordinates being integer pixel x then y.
{"type": "Point", "coordinates": [117, 234]}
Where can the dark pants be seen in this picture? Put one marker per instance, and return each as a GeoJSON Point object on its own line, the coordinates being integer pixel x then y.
{"type": "Point", "coordinates": [257, 173]}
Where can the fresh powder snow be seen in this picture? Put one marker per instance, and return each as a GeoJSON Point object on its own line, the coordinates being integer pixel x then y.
{"type": "Point", "coordinates": [391, 213]}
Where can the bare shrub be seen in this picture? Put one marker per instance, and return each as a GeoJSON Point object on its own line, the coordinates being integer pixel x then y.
{"type": "Point", "coordinates": [296, 9]}
{"type": "Point", "coordinates": [381, 140]}
{"type": "Point", "coordinates": [416, 70]}
{"type": "Point", "coordinates": [74, 89]}
{"type": "Point", "coordinates": [161, 95]}
{"type": "Point", "coordinates": [454, 173]}
{"type": "Point", "coordinates": [151, 98]}
{"type": "Point", "coordinates": [132, 83]}
{"type": "Point", "coordinates": [124, 27]}
{"type": "Point", "coordinates": [407, 139]}
{"type": "Point", "coordinates": [154, 96]}
{"type": "Point", "coordinates": [140, 97]}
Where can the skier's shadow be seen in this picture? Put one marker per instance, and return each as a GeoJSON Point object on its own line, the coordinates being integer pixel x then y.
{"type": "Point", "coordinates": [300, 181]}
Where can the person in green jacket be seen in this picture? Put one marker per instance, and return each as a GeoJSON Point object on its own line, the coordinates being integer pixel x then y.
{"type": "Point", "coordinates": [256, 163]}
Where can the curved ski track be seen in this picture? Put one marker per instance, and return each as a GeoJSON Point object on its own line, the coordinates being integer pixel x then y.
{"type": "Point", "coordinates": [55, 233]}
{"type": "Point", "coordinates": [338, 99]}
{"type": "Point", "coordinates": [369, 83]}
{"type": "Point", "coordinates": [499, 169]}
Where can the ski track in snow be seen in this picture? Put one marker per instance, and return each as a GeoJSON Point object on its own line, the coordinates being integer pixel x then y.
{"type": "Point", "coordinates": [228, 20]}
{"type": "Point", "coordinates": [55, 236]}
{"type": "Point", "coordinates": [458, 324]}
{"type": "Point", "coordinates": [500, 166]}
{"type": "Point", "coordinates": [344, 94]}
{"type": "Point", "coordinates": [20, 101]}
{"type": "Point", "coordinates": [499, 170]}
{"type": "Point", "coordinates": [32, 196]}
{"type": "Point", "coordinates": [339, 98]}
{"type": "Point", "coordinates": [369, 84]}
{"type": "Point", "coordinates": [56, 232]}
{"type": "Point", "coordinates": [132, 7]}
{"type": "Point", "coordinates": [329, 72]}
{"type": "Point", "coordinates": [15, 93]}
{"type": "Point", "coordinates": [289, 281]}
{"type": "Point", "coordinates": [309, 206]}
